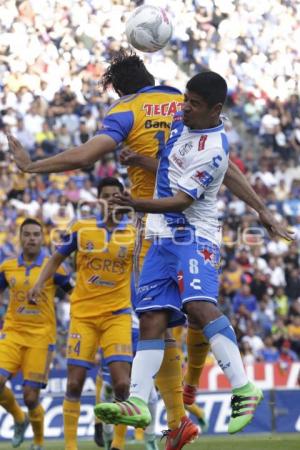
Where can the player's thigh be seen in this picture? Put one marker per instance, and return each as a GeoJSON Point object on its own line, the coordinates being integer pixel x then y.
{"type": "Point", "coordinates": [198, 269]}
{"type": "Point", "coordinates": [116, 341]}
{"type": "Point", "coordinates": [158, 289]}
{"type": "Point", "coordinates": [36, 365]}
{"type": "Point", "coordinates": [11, 354]}
{"type": "Point", "coordinates": [83, 341]}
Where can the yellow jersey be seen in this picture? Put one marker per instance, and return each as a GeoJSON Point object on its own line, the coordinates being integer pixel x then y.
{"type": "Point", "coordinates": [31, 325]}
{"type": "Point", "coordinates": [103, 267]}
{"type": "Point", "coordinates": [142, 121]}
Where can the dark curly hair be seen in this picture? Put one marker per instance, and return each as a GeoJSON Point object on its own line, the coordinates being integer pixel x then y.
{"type": "Point", "coordinates": [127, 74]}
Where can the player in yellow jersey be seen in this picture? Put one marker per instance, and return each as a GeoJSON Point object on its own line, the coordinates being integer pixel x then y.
{"type": "Point", "coordinates": [141, 119]}
{"type": "Point", "coordinates": [28, 337]}
{"type": "Point", "coordinates": [100, 301]}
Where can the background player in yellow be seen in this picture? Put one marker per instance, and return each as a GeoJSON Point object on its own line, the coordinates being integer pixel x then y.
{"type": "Point", "coordinates": [28, 337]}
{"type": "Point", "coordinates": [100, 301]}
{"type": "Point", "coordinates": [141, 119]}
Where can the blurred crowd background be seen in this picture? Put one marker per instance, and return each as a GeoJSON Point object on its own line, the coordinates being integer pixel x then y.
{"type": "Point", "coordinates": [52, 55]}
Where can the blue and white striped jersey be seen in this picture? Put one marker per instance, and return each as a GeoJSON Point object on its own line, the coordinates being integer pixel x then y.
{"type": "Point", "coordinates": [195, 162]}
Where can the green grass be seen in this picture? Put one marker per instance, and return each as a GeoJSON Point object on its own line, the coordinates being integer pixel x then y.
{"type": "Point", "coordinates": [247, 442]}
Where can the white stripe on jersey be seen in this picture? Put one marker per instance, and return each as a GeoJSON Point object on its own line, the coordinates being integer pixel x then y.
{"type": "Point", "coordinates": [195, 162]}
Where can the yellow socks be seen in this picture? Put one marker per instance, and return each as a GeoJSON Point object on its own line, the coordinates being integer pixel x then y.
{"type": "Point", "coordinates": [36, 417]}
{"type": "Point", "coordinates": [10, 404]}
{"type": "Point", "coordinates": [119, 438]}
{"type": "Point", "coordinates": [139, 434]}
{"type": "Point", "coordinates": [99, 384]}
{"type": "Point", "coordinates": [169, 383]}
{"type": "Point", "coordinates": [197, 350]}
{"type": "Point", "coordinates": [71, 410]}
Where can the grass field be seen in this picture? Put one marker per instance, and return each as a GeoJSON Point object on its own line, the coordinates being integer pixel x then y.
{"type": "Point", "coordinates": [247, 442]}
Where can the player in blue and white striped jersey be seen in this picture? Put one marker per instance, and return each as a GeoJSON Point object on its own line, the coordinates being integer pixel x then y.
{"type": "Point", "coordinates": [180, 272]}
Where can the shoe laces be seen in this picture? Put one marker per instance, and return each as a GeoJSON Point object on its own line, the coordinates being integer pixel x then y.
{"type": "Point", "coordinates": [165, 433]}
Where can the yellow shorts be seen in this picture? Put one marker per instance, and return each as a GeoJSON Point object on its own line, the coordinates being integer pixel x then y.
{"type": "Point", "coordinates": [33, 362]}
{"type": "Point", "coordinates": [111, 332]}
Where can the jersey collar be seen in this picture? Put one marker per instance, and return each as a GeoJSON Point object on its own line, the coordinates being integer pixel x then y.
{"type": "Point", "coordinates": [208, 130]}
{"type": "Point", "coordinates": [121, 225]}
{"type": "Point", "coordinates": [159, 88]}
{"type": "Point", "coordinates": [37, 262]}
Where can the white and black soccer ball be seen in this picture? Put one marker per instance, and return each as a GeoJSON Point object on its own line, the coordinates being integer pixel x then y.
{"type": "Point", "coordinates": [149, 28]}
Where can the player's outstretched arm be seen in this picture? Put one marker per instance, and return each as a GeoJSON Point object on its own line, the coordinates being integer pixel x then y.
{"type": "Point", "coordinates": [238, 184]}
{"type": "Point", "coordinates": [48, 272]}
{"type": "Point", "coordinates": [178, 203]}
{"type": "Point", "coordinates": [75, 158]}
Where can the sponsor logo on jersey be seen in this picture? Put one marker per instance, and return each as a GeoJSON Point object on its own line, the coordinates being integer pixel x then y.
{"type": "Point", "coordinates": [203, 178]}
{"type": "Point", "coordinates": [162, 109]}
{"type": "Point", "coordinates": [27, 312]}
{"type": "Point", "coordinates": [177, 161]}
{"type": "Point", "coordinates": [202, 142]}
{"type": "Point", "coordinates": [155, 124]}
{"type": "Point", "coordinates": [185, 148]}
{"type": "Point", "coordinates": [97, 281]}
{"type": "Point", "coordinates": [215, 163]}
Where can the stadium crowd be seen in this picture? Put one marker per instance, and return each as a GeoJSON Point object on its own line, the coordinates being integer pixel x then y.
{"type": "Point", "coordinates": [52, 55]}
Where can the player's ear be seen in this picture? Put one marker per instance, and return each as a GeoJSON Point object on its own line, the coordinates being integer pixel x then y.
{"type": "Point", "coordinates": [216, 109]}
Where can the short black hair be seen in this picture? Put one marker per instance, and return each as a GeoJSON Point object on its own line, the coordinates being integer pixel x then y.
{"type": "Point", "coordinates": [30, 221]}
{"type": "Point", "coordinates": [109, 181]}
{"type": "Point", "coordinates": [127, 74]}
{"type": "Point", "coordinates": [210, 86]}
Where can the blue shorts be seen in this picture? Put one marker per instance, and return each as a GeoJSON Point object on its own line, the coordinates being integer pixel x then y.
{"type": "Point", "coordinates": [175, 273]}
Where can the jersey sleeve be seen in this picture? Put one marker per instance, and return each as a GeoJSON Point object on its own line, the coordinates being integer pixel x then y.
{"type": "Point", "coordinates": [68, 244]}
{"type": "Point", "coordinates": [117, 123]}
{"type": "Point", "coordinates": [62, 278]}
{"type": "Point", "coordinates": [3, 282]}
{"type": "Point", "coordinates": [202, 171]}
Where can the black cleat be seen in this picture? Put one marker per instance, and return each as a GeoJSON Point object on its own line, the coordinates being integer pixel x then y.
{"type": "Point", "coordinates": [98, 437]}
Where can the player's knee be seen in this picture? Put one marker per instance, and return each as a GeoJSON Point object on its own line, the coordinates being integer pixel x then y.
{"type": "Point", "coordinates": [121, 390]}
{"type": "Point", "coordinates": [201, 313]}
{"type": "Point", "coordinates": [31, 399]}
{"type": "Point", "coordinates": [153, 324]}
{"type": "Point", "coordinates": [74, 388]}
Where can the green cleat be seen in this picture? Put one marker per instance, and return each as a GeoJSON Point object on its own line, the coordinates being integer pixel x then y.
{"type": "Point", "coordinates": [243, 403]}
{"type": "Point", "coordinates": [19, 432]}
{"type": "Point", "coordinates": [134, 412]}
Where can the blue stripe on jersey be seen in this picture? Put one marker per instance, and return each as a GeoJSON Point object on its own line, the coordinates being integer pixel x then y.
{"type": "Point", "coordinates": [61, 279]}
{"type": "Point", "coordinates": [3, 282]}
{"type": "Point", "coordinates": [166, 89]}
{"type": "Point", "coordinates": [163, 182]}
{"type": "Point", "coordinates": [69, 244]}
{"type": "Point", "coordinates": [225, 143]}
{"type": "Point", "coordinates": [118, 125]}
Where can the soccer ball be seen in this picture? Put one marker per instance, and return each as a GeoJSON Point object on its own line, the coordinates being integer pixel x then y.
{"type": "Point", "coordinates": [148, 28]}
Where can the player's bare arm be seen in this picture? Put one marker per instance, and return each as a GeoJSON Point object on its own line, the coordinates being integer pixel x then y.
{"type": "Point", "coordinates": [48, 272]}
{"type": "Point", "coordinates": [178, 203]}
{"type": "Point", "coordinates": [134, 159]}
{"type": "Point", "coordinates": [238, 184]}
{"type": "Point", "coordinates": [75, 158]}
